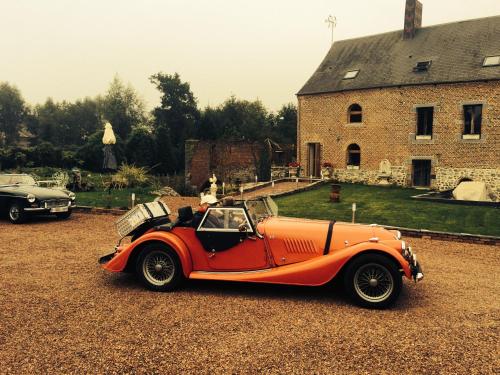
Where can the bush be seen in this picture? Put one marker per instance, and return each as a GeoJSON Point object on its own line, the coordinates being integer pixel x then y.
{"type": "Point", "coordinates": [45, 154]}
{"type": "Point", "coordinates": [130, 176]}
{"type": "Point", "coordinates": [12, 157]}
{"type": "Point", "coordinates": [70, 160]}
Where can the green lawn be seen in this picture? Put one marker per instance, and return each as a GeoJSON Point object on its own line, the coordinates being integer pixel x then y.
{"type": "Point", "coordinates": [391, 206]}
{"type": "Point", "coordinates": [117, 198]}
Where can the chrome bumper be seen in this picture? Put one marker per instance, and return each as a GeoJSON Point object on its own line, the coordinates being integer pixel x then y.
{"type": "Point", "coordinates": [415, 268]}
{"type": "Point", "coordinates": [36, 209]}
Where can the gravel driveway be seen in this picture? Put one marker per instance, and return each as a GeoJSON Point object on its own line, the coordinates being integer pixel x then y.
{"type": "Point", "coordinates": [60, 313]}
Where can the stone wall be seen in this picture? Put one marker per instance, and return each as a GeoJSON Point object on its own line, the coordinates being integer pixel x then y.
{"type": "Point", "coordinates": [372, 177]}
{"type": "Point", "coordinates": [388, 132]}
{"type": "Point", "coordinates": [449, 178]}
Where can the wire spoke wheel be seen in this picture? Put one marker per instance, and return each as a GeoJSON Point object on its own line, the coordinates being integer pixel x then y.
{"type": "Point", "coordinates": [14, 213]}
{"type": "Point", "coordinates": [158, 268]}
{"type": "Point", "coordinates": [373, 282]}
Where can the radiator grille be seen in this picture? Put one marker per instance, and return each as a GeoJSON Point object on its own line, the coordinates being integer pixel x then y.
{"type": "Point", "coordinates": [56, 203]}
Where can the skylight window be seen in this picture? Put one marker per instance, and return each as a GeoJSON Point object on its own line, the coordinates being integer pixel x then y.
{"type": "Point", "coordinates": [491, 60]}
{"type": "Point", "coordinates": [422, 66]}
{"type": "Point", "coordinates": [351, 74]}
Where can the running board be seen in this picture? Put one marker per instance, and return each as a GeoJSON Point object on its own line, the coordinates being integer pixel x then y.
{"type": "Point", "coordinates": [194, 274]}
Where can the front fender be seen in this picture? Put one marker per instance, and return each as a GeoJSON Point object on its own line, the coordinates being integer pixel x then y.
{"type": "Point", "coordinates": [121, 259]}
{"type": "Point", "coordinates": [380, 248]}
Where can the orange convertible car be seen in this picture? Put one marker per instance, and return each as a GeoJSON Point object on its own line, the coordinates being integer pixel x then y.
{"type": "Point", "coordinates": [248, 242]}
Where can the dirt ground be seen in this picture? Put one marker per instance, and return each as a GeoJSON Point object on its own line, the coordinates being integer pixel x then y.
{"type": "Point", "coordinates": [60, 313]}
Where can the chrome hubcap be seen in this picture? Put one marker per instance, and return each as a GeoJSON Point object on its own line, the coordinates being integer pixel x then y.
{"type": "Point", "coordinates": [158, 268]}
{"type": "Point", "coordinates": [373, 282]}
{"type": "Point", "coordinates": [14, 213]}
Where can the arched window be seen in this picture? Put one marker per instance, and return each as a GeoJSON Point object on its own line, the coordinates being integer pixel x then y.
{"type": "Point", "coordinates": [355, 113]}
{"type": "Point", "coordinates": [353, 155]}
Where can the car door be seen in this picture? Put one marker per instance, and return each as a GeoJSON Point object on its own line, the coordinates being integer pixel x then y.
{"type": "Point", "coordinates": [229, 240]}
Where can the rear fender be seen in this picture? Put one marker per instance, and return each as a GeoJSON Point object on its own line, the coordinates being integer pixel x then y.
{"type": "Point", "coordinates": [121, 260]}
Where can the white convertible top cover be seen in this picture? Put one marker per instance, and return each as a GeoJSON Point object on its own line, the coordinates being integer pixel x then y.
{"type": "Point", "coordinates": [471, 191]}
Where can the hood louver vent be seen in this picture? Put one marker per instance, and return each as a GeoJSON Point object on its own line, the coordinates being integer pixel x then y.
{"type": "Point", "coordinates": [296, 246]}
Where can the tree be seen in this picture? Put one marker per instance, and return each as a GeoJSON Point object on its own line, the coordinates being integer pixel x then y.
{"type": "Point", "coordinates": [235, 120]}
{"type": "Point", "coordinates": [174, 119]}
{"type": "Point", "coordinates": [122, 107]}
{"type": "Point", "coordinates": [284, 125]}
{"type": "Point", "coordinates": [12, 111]}
{"type": "Point", "coordinates": [83, 120]}
{"type": "Point", "coordinates": [47, 123]}
{"type": "Point", "coordinates": [140, 148]}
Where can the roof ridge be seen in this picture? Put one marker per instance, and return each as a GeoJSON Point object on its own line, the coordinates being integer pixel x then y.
{"type": "Point", "coordinates": [421, 28]}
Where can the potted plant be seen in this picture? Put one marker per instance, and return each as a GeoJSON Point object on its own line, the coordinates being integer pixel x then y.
{"type": "Point", "coordinates": [293, 168]}
{"type": "Point", "coordinates": [326, 170]}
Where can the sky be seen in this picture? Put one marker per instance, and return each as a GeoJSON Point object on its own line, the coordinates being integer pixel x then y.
{"type": "Point", "coordinates": [266, 50]}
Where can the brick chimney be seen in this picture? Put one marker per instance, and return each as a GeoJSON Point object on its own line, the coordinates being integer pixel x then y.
{"type": "Point", "coordinates": [413, 18]}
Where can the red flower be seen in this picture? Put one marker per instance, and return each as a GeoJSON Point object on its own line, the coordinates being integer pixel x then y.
{"type": "Point", "coordinates": [294, 164]}
{"type": "Point", "coordinates": [327, 164]}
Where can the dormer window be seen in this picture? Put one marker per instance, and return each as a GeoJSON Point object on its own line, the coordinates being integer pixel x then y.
{"type": "Point", "coordinates": [422, 66]}
{"type": "Point", "coordinates": [491, 60]}
{"type": "Point", "coordinates": [351, 74]}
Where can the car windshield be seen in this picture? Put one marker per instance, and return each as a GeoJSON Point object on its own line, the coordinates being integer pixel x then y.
{"type": "Point", "coordinates": [261, 208]}
{"type": "Point", "coordinates": [16, 180]}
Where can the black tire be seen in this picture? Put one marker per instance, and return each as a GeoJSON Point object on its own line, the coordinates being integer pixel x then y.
{"type": "Point", "coordinates": [159, 268]}
{"type": "Point", "coordinates": [64, 215]}
{"type": "Point", "coordinates": [373, 281]}
{"type": "Point", "coordinates": [16, 213]}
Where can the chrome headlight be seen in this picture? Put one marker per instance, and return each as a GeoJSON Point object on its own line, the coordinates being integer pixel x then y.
{"type": "Point", "coordinates": [72, 196]}
{"type": "Point", "coordinates": [408, 254]}
{"type": "Point", "coordinates": [403, 246]}
{"type": "Point", "coordinates": [31, 198]}
{"type": "Point", "coordinates": [398, 235]}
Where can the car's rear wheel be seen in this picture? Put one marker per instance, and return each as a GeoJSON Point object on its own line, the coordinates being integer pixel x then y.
{"type": "Point", "coordinates": [373, 280]}
{"type": "Point", "coordinates": [159, 268]}
{"type": "Point", "coordinates": [16, 213]}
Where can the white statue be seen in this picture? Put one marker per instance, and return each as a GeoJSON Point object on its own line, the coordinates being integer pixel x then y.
{"type": "Point", "coordinates": [385, 168]}
{"type": "Point", "coordinates": [384, 172]}
{"type": "Point", "coordinates": [213, 185]}
{"type": "Point", "coordinates": [109, 136]}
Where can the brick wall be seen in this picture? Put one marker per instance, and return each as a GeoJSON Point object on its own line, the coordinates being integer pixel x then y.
{"type": "Point", "coordinates": [230, 161]}
{"type": "Point", "coordinates": [388, 131]}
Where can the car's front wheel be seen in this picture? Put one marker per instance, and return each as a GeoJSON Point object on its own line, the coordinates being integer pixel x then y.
{"type": "Point", "coordinates": [159, 268]}
{"type": "Point", "coordinates": [16, 213]}
{"type": "Point", "coordinates": [373, 280]}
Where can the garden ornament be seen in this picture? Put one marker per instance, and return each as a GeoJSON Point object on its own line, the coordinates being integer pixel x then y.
{"type": "Point", "coordinates": [213, 185]}
{"type": "Point", "coordinates": [109, 163]}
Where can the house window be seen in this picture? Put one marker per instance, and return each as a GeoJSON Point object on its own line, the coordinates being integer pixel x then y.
{"type": "Point", "coordinates": [355, 113]}
{"type": "Point", "coordinates": [473, 115]}
{"type": "Point", "coordinates": [353, 156]}
{"type": "Point", "coordinates": [351, 74]}
{"type": "Point", "coordinates": [491, 61]}
{"type": "Point", "coordinates": [425, 117]}
{"type": "Point", "coordinates": [422, 66]}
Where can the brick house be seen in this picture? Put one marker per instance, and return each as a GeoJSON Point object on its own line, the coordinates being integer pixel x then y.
{"type": "Point", "coordinates": [425, 100]}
